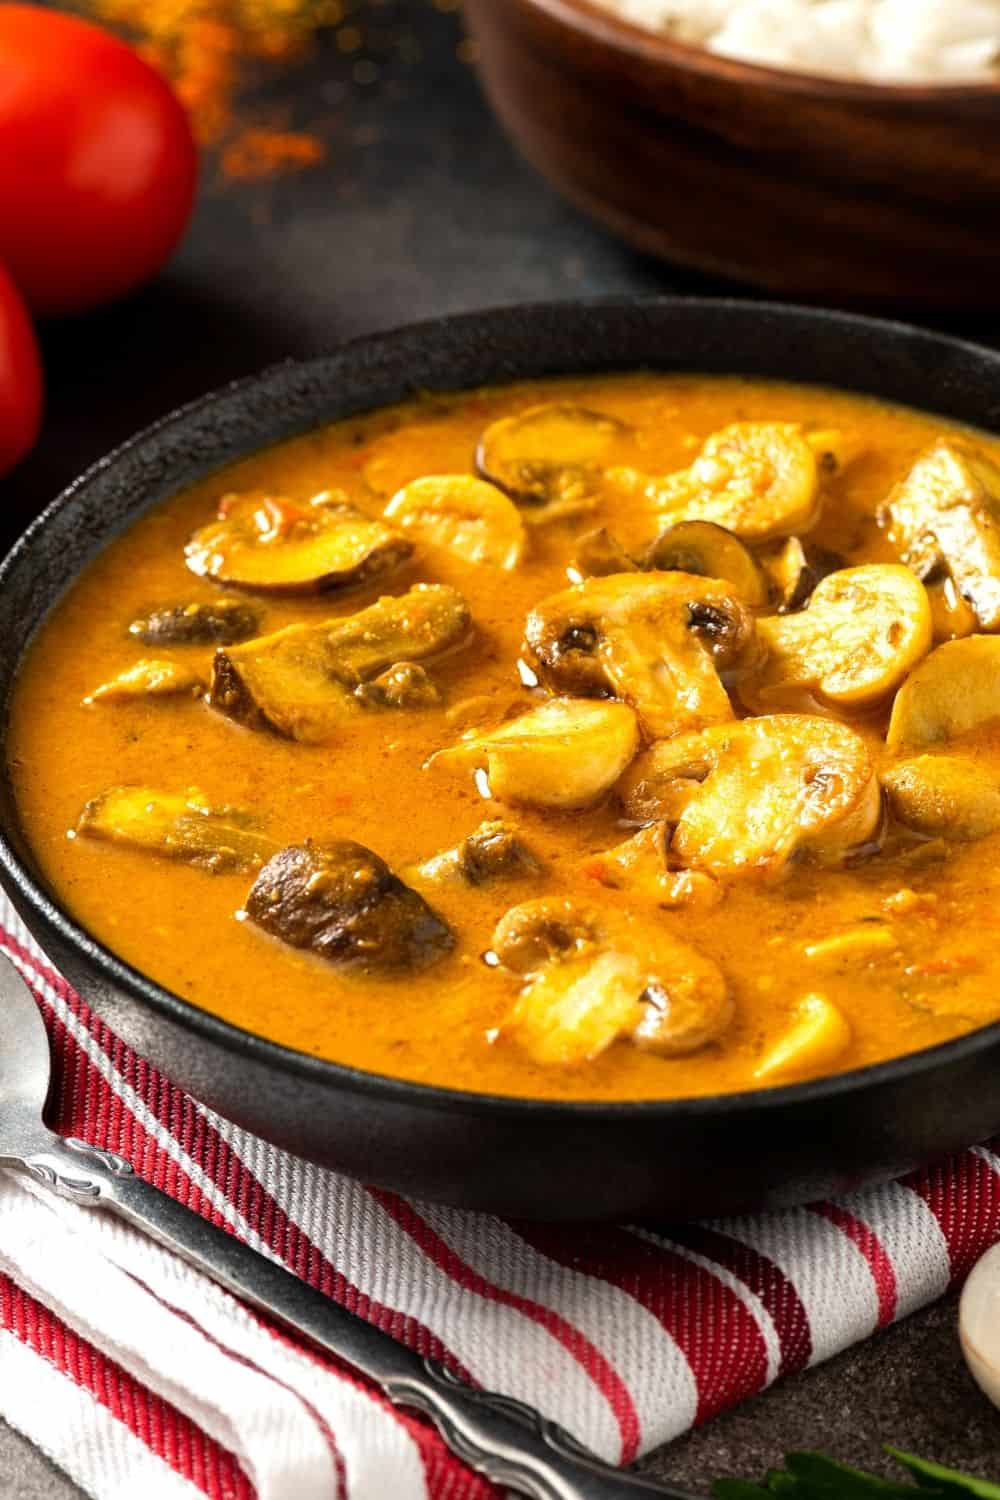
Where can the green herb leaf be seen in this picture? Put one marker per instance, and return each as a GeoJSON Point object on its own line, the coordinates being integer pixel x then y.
{"type": "Point", "coordinates": [819, 1476]}
{"type": "Point", "coordinates": [778, 1482]}
{"type": "Point", "coordinates": [945, 1481]}
{"type": "Point", "coordinates": [814, 1476]}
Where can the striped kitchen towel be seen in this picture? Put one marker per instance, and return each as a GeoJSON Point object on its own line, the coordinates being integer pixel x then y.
{"type": "Point", "coordinates": [141, 1378]}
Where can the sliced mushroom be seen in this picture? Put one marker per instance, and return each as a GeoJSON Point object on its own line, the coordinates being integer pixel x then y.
{"type": "Point", "coordinates": [956, 689]}
{"type": "Point", "coordinates": [534, 934]}
{"type": "Point", "coordinates": [947, 796]}
{"type": "Point", "coordinates": [301, 681]}
{"type": "Point", "coordinates": [744, 799]}
{"type": "Point", "coordinates": [953, 617]}
{"type": "Point", "coordinates": [863, 630]}
{"type": "Point", "coordinates": [182, 828]}
{"type": "Point", "coordinates": [149, 679]}
{"type": "Point", "coordinates": [548, 458]}
{"type": "Point", "coordinates": [710, 551]}
{"type": "Point", "coordinates": [945, 516]}
{"type": "Point", "coordinates": [586, 986]}
{"type": "Point", "coordinates": [795, 568]}
{"type": "Point", "coordinates": [491, 852]}
{"type": "Point", "coordinates": [273, 545]}
{"type": "Point", "coordinates": [644, 866]}
{"type": "Point", "coordinates": [406, 685]}
{"type": "Point", "coordinates": [598, 555]}
{"type": "Point", "coordinates": [758, 479]}
{"type": "Point", "coordinates": [223, 622]}
{"type": "Point", "coordinates": [343, 903]}
{"type": "Point", "coordinates": [567, 752]}
{"type": "Point", "coordinates": [465, 515]}
{"type": "Point", "coordinates": [835, 450]}
{"type": "Point", "coordinates": [656, 640]}
{"type": "Point", "coordinates": [818, 1036]}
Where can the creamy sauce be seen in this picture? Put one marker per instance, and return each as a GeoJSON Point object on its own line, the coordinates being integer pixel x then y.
{"type": "Point", "coordinates": [178, 924]}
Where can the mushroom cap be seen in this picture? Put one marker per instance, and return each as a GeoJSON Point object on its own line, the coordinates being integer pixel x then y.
{"type": "Point", "coordinates": [547, 457]}
{"type": "Point", "coordinates": [272, 545]}
{"type": "Point", "coordinates": [863, 629]}
{"type": "Point", "coordinates": [462, 514]}
{"type": "Point", "coordinates": [301, 682]}
{"type": "Point", "coordinates": [945, 514]}
{"type": "Point", "coordinates": [954, 690]}
{"type": "Point", "coordinates": [744, 798]}
{"type": "Point", "coordinates": [589, 981]}
{"type": "Point", "coordinates": [944, 796]}
{"type": "Point", "coordinates": [566, 753]}
{"type": "Point", "coordinates": [343, 903]}
{"type": "Point", "coordinates": [656, 640]}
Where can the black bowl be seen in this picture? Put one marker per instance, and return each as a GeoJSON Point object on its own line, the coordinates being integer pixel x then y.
{"type": "Point", "coordinates": [542, 1159]}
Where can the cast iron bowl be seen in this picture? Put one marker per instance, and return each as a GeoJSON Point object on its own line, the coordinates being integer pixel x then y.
{"type": "Point", "coordinates": [541, 1159]}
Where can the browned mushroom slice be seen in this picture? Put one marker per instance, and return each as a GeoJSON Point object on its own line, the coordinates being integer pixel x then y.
{"type": "Point", "coordinates": [149, 679]}
{"type": "Point", "coordinates": [548, 458]}
{"type": "Point", "coordinates": [588, 982]}
{"type": "Point", "coordinates": [405, 685]}
{"type": "Point", "coordinates": [274, 545]}
{"type": "Point", "coordinates": [491, 852]}
{"type": "Point", "coordinates": [945, 516]}
{"type": "Point", "coordinates": [343, 903]}
{"type": "Point", "coordinates": [222, 622]}
{"type": "Point", "coordinates": [182, 828]}
{"type": "Point", "coordinates": [710, 551]}
{"type": "Point", "coordinates": [536, 933]}
{"type": "Point", "coordinates": [944, 796]}
{"type": "Point", "coordinates": [428, 619]}
{"type": "Point", "coordinates": [745, 799]}
{"type": "Point", "coordinates": [656, 640]}
{"type": "Point", "coordinates": [598, 555]}
{"type": "Point", "coordinates": [302, 681]}
{"type": "Point", "coordinates": [795, 569]}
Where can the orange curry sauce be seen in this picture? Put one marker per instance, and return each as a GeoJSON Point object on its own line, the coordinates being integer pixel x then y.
{"type": "Point", "coordinates": [177, 923]}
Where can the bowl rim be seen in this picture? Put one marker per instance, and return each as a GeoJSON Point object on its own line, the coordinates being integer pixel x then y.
{"type": "Point", "coordinates": [243, 1043]}
{"type": "Point", "coordinates": [604, 26]}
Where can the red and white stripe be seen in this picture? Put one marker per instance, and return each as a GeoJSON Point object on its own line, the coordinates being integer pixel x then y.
{"type": "Point", "coordinates": [138, 1376]}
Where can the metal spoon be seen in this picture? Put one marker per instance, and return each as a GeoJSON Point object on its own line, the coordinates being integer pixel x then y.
{"type": "Point", "coordinates": [501, 1438]}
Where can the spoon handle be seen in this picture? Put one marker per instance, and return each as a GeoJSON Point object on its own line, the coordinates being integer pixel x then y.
{"type": "Point", "coordinates": [502, 1439]}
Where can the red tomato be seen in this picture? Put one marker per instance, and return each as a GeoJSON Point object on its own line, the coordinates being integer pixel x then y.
{"type": "Point", "coordinates": [97, 161]}
{"type": "Point", "coordinates": [20, 377]}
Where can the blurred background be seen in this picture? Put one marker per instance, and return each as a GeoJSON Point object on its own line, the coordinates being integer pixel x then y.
{"type": "Point", "coordinates": [352, 179]}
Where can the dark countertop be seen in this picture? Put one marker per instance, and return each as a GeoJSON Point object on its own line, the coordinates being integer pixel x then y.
{"type": "Point", "coordinates": [422, 209]}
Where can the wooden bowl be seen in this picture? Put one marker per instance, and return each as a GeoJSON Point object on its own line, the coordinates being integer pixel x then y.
{"type": "Point", "coordinates": [814, 187]}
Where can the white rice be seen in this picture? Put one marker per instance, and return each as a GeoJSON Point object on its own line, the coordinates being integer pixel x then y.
{"type": "Point", "coordinates": [891, 41]}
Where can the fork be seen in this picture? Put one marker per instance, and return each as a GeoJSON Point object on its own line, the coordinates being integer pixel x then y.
{"type": "Point", "coordinates": [502, 1439]}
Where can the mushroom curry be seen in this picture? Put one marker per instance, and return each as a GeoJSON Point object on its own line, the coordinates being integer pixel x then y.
{"type": "Point", "coordinates": [625, 737]}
